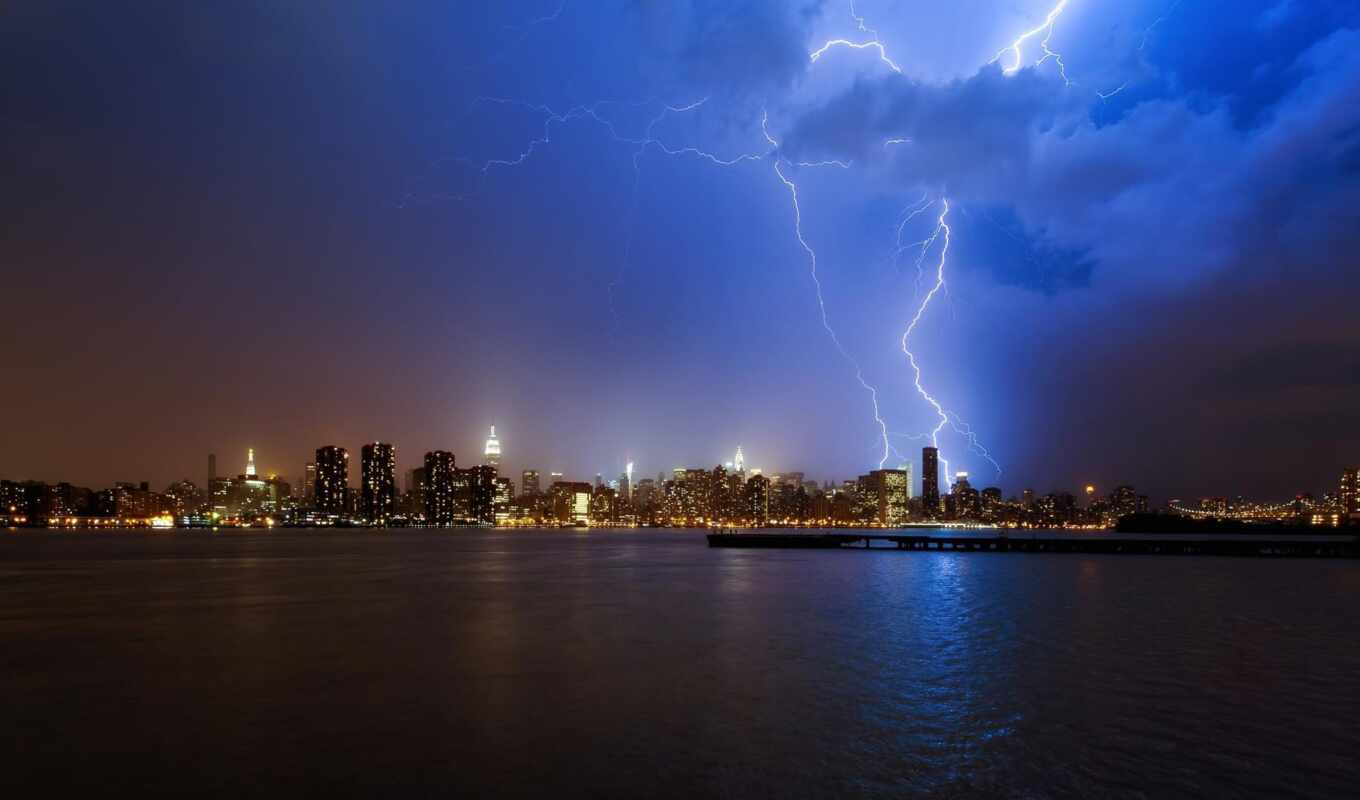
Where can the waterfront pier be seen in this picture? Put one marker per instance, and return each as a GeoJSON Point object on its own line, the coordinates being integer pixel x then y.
{"type": "Point", "coordinates": [1322, 546]}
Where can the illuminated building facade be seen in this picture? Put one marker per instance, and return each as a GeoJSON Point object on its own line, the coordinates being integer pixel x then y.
{"type": "Point", "coordinates": [439, 487]}
{"type": "Point", "coordinates": [603, 505]}
{"type": "Point", "coordinates": [503, 495]}
{"type": "Point", "coordinates": [332, 479]}
{"type": "Point", "coordinates": [891, 489]}
{"type": "Point", "coordinates": [475, 493]}
{"type": "Point", "coordinates": [967, 503]}
{"type": "Point", "coordinates": [757, 500]}
{"type": "Point", "coordinates": [1349, 495]}
{"type": "Point", "coordinates": [378, 468]}
{"type": "Point", "coordinates": [570, 501]}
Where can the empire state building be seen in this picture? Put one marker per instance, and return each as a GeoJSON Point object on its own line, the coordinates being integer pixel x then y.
{"type": "Point", "coordinates": [492, 454]}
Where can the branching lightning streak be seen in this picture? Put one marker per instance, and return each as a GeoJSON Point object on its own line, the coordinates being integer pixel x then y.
{"type": "Point", "coordinates": [1142, 45]}
{"type": "Point", "coordinates": [873, 43]}
{"type": "Point", "coordinates": [908, 214]}
{"type": "Point", "coordinates": [941, 230]}
{"type": "Point", "coordinates": [1147, 32]}
{"type": "Point", "coordinates": [966, 431]}
{"type": "Point", "coordinates": [941, 235]}
{"type": "Point", "coordinates": [882, 53]}
{"type": "Point", "coordinates": [817, 283]}
{"type": "Point", "coordinates": [1046, 28]}
{"type": "Point", "coordinates": [1107, 95]}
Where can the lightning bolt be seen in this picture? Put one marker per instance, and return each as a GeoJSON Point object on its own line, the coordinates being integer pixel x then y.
{"type": "Point", "coordinates": [1046, 28]}
{"type": "Point", "coordinates": [648, 140]}
{"type": "Point", "coordinates": [1142, 45]}
{"type": "Point", "coordinates": [938, 241]}
{"type": "Point", "coordinates": [817, 283]}
{"type": "Point", "coordinates": [873, 43]}
{"type": "Point", "coordinates": [876, 45]}
{"type": "Point", "coordinates": [1147, 32]}
{"type": "Point", "coordinates": [941, 229]}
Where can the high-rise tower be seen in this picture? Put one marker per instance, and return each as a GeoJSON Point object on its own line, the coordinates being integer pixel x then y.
{"type": "Point", "coordinates": [739, 462]}
{"type": "Point", "coordinates": [379, 488]}
{"type": "Point", "coordinates": [492, 454]}
{"type": "Point", "coordinates": [250, 462]}
{"type": "Point", "coordinates": [930, 480]}
{"type": "Point", "coordinates": [332, 479]}
{"type": "Point", "coordinates": [1350, 491]}
{"type": "Point", "coordinates": [528, 483]}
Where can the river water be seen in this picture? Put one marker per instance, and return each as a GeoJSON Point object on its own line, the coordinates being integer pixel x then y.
{"type": "Point", "coordinates": [642, 663]}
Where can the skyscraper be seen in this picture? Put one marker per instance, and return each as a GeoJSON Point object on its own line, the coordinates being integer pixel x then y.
{"type": "Point", "coordinates": [757, 500]}
{"type": "Point", "coordinates": [480, 493]}
{"type": "Point", "coordinates": [739, 462]}
{"type": "Point", "coordinates": [309, 482]}
{"type": "Point", "coordinates": [892, 491]}
{"type": "Point", "coordinates": [439, 488]}
{"type": "Point", "coordinates": [491, 455]}
{"type": "Point", "coordinates": [1350, 492]}
{"type": "Point", "coordinates": [378, 463]}
{"type": "Point", "coordinates": [528, 482]}
{"type": "Point", "coordinates": [930, 480]}
{"type": "Point", "coordinates": [967, 502]}
{"type": "Point", "coordinates": [332, 478]}
{"type": "Point", "coordinates": [503, 492]}
{"type": "Point", "coordinates": [250, 462]}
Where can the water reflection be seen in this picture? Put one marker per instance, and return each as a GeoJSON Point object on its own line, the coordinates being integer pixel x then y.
{"type": "Point", "coordinates": [645, 663]}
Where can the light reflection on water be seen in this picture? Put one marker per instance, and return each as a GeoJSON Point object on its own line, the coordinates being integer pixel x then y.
{"type": "Point", "coordinates": [642, 662]}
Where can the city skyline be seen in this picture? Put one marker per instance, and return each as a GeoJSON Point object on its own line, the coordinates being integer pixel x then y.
{"type": "Point", "coordinates": [603, 257]}
{"type": "Point", "coordinates": [326, 479]}
{"type": "Point", "coordinates": [440, 493]}
{"type": "Point", "coordinates": [405, 459]}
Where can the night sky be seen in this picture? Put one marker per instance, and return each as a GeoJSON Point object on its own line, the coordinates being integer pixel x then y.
{"type": "Point", "coordinates": [232, 225]}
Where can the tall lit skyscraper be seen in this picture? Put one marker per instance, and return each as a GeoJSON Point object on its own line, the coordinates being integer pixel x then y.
{"type": "Point", "coordinates": [528, 482]}
{"type": "Point", "coordinates": [930, 480]}
{"type": "Point", "coordinates": [378, 463]}
{"type": "Point", "coordinates": [309, 482]}
{"type": "Point", "coordinates": [891, 489]}
{"type": "Point", "coordinates": [250, 463]}
{"type": "Point", "coordinates": [439, 487]}
{"type": "Point", "coordinates": [1350, 491]}
{"type": "Point", "coordinates": [739, 462]}
{"type": "Point", "coordinates": [491, 455]}
{"type": "Point", "coordinates": [332, 478]}
{"type": "Point", "coordinates": [478, 485]}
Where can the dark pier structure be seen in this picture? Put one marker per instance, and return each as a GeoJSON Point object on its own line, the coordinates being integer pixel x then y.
{"type": "Point", "coordinates": [1103, 544]}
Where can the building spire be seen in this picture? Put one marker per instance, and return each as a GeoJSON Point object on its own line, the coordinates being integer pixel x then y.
{"type": "Point", "coordinates": [492, 452]}
{"type": "Point", "coordinates": [250, 462]}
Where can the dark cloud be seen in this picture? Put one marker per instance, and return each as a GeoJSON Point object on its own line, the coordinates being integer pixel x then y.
{"type": "Point", "coordinates": [1166, 195]}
